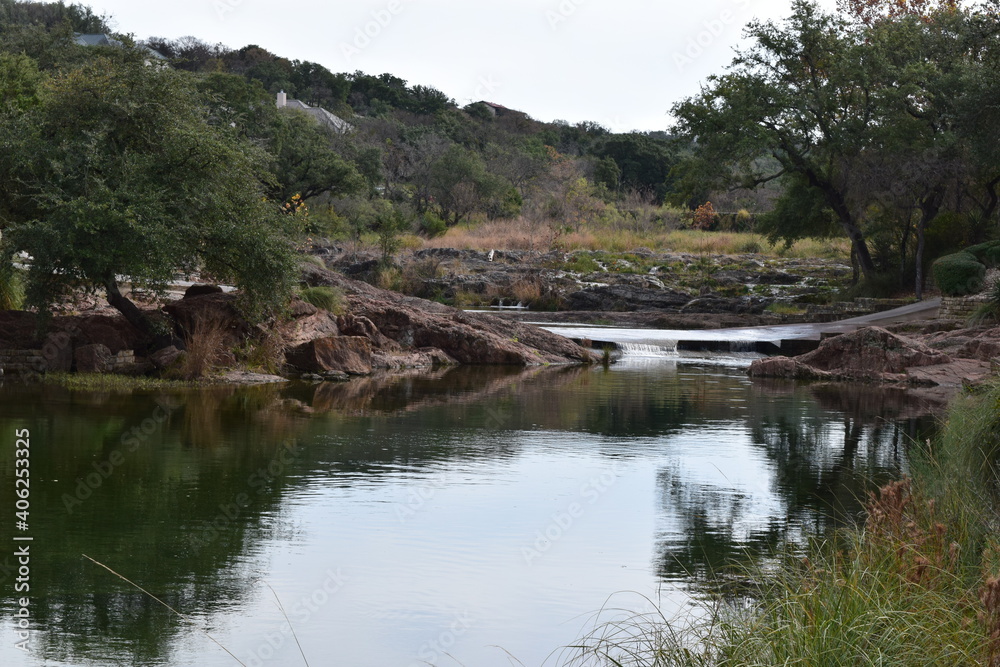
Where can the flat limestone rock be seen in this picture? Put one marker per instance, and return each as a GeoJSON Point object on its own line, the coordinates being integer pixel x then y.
{"type": "Point", "coordinates": [953, 374]}
{"type": "Point", "coordinates": [247, 377]}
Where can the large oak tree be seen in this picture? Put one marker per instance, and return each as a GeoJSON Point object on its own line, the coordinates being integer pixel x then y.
{"type": "Point", "coordinates": [116, 175]}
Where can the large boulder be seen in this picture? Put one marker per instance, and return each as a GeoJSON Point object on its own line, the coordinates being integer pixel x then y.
{"type": "Point", "coordinates": [216, 311]}
{"type": "Point", "coordinates": [871, 354]}
{"type": "Point", "coordinates": [785, 367]}
{"type": "Point", "coordinates": [199, 289]}
{"type": "Point", "coordinates": [348, 354]}
{"type": "Point", "coordinates": [319, 324]}
{"type": "Point", "coordinates": [95, 358]}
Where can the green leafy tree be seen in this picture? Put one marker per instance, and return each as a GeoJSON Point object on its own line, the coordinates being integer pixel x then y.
{"type": "Point", "coordinates": [871, 12]}
{"type": "Point", "coordinates": [305, 160]}
{"type": "Point", "coordinates": [48, 15]}
{"type": "Point", "coordinates": [388, 223]}
{"type": "Point", "coordinates": [802, 94]}
{"type": "Point", "coordinates": [461, 185]}
{"type": "Point", "coordinates": [643, 163]}
{"type": "Point", "coordinates": [120, 176]}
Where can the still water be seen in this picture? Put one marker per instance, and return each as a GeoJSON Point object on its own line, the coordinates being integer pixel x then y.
{"type": "Point", "coordinates": [467, 516]}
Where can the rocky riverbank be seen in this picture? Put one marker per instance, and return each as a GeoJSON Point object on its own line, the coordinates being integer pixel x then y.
{"type": "Point", "coordinates": [937, 353]}
{"type": "Point", "coordinates": [376, 330]}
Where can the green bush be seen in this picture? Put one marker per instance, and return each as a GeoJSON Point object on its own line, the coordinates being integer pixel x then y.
{"type": "Point", "coordinates": [327, 298]}
{"type": "Point", "coordinates": [988, 253]}
{"type": "Point", "coordinates": [432, 225]}
{"type": "Point", "coordinates": [959, 274]}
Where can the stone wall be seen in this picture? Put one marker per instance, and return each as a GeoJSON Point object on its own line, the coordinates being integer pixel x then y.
{"type": "Point", "coordinates": [960, 307]}
{"type": "Point", "coordinates": [14, 362]}
{"type": "Point", "coordinates": [845, 309]}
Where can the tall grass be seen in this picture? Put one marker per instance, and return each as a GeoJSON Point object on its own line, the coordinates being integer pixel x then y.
{"type": "Point", "coordinates": [918, 583]}
{"type": "Point", "coordinates": [11, 286]}
{"type": "Point", "coordinates": [521, 234]}
{"type": "Point", "coordinates": [205, 346]}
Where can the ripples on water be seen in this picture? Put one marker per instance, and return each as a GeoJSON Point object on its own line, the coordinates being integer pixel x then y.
{"type": "Point", "coordinates": [402, 519]}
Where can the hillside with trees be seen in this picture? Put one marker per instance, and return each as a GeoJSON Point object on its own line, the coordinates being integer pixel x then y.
{"type": "Point", "coordinates": [876, 125]}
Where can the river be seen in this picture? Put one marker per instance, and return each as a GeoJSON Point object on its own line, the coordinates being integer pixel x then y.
{"type": "Point", "coordinates": [472, 516]}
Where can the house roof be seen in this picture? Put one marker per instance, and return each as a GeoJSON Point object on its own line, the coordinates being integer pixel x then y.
{"type": "Point", "coordinates": [84, 39]}
{"type": "Point", "coordinates": [96, 40]}
{"type": "Point", "coordinates": [334, 122]}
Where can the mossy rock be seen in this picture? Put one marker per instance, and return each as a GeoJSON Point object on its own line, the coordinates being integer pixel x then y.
{"type": "Point", "coordinates": [959, 274]}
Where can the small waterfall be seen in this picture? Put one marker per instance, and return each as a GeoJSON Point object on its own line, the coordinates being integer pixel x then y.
{"type": "Point", "coordinates": [742, 346]}
{"type": "Point", "coordinates": [666, 348]}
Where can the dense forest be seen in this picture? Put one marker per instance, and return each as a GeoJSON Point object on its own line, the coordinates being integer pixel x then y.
{"type": "Point", "coordinates": [878, 123]}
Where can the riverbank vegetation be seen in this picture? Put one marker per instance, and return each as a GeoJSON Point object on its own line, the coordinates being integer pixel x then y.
{"type": "Point", "coordinates": [916, 582]}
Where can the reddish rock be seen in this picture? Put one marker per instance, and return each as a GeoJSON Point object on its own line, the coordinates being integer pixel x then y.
{"type": "Point", "coordinates": [466, 337]}
{"type": "Point", "coordinates": [354, 325]}
{"type": "Point", "coordinates": [165, 357]}
{"type": "Point", "coordinates": [349, 354]}
{"type": "Point", "coordinates": [300, 308]}
{"type": "Point", "coordinates": [423, 358]}
{"type": "Point", "coordinates": [871, 354]}
{"type": "Point", "coordinates": [954, 374]}
{"type": "Point", "coordinates": [319, 324]}
{"type": "Point", "coordinates": [785, 367]}
{"type": "Point", "coordinates": [94, 358]}
{"type": "Point", "coordinates": [982, 348]}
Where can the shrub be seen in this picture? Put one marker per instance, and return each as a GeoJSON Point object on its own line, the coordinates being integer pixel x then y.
{"type": "Point", "coordinates": [958, 274]}
{"type": "Point", "coordinates": [988, 253]}
{"type": "Point", "coordinates": [990, 310]}
{"type": "Point", "coordinates": [582, 263]}
{"type": "Point", "coordinates": [265, 354]}
{"type": "Point", "coordinates": [327, 298]}
{"type": "Point", "coordinates": [750, 246]}
{"type": "Point", "coordinates": [705, 217]}
{"type": "Point", "coordinates": [432, 225]}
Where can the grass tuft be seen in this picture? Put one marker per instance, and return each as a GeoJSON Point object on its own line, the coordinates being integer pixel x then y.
{"type": "Point", "coordinates": [205, 347]}
{"type": "Point", "coordinates": [327, 298]}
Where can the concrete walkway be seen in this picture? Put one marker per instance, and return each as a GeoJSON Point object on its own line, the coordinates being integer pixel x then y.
{"type": "Point", "coordinates": [782, 338]}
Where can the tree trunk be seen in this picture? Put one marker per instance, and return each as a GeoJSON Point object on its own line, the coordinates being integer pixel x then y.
{"type": "Point", "coordinates": [929, 208]}
{"type": "Point", "coordinates": [855, 270]}
{"type": "Point", "coordinates": [836, 201]}
{"type": "Point", "coordinates": [136, 318]}
{"type": "Point", "coordinates": [919, 258]}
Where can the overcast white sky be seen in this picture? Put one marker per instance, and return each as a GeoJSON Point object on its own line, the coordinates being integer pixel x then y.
{"type": "Point", "coordinates": [621, 63]}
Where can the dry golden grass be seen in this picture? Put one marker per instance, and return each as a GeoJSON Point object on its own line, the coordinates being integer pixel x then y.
{"type": "Point", "coordinates": [521, 234]}
{"type": "Point", "coordinates": [516, 234]}
{"type": "Point", "coordinates": [205, 347]}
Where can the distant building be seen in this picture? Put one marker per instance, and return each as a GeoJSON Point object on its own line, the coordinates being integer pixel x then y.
{"type": "Point", "coordinates": [103, 40]}
{"type": "Point", "coordinates": [499, 110]}
{"type": "Point", "coordinates": [322, 116]}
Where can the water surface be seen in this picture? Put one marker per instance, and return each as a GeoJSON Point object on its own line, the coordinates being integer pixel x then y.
{"type": "Point", "coordinates": [472, 513]}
